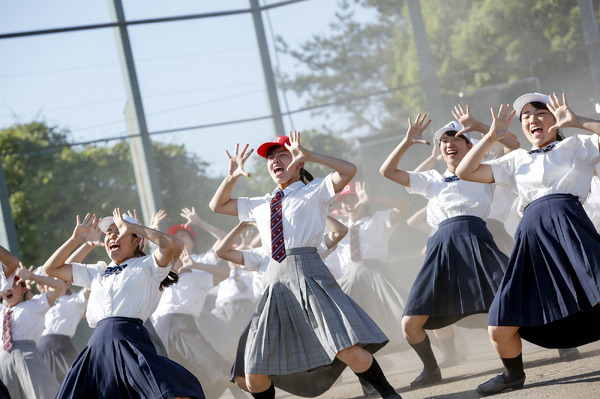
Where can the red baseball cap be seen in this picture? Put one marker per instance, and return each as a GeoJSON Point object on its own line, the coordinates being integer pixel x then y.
{"type": "Point", "coordinates": [264, 148]}
{"type": "Point", "coordinates": [177, 227]}
{"type": "Point", "coordinates": [349, 189]}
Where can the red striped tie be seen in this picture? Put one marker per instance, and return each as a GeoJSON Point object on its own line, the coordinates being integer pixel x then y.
{"type": "Point", "coordinates": [7, 341]}
{"type": "Point", "coordinates": [277, 244]}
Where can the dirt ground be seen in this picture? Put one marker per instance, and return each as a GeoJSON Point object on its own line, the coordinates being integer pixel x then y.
{"type": "Point", "coordinates": [547, 375]}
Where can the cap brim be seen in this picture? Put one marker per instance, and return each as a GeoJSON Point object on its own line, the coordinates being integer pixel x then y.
{"type": "Point", "coordinates": [529, 98]}
{"type": "Point", "coordinates": [106, 222]}
{"type": "Point", "coordinates": [438, 135]}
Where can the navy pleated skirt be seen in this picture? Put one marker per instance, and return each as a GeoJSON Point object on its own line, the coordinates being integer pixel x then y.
{"type": "Point", "coordinates": [461, 273]}
{"type": "Point", "coordinates": [120, 361]}
{"type": "Point", "coordinates": [551, 288]}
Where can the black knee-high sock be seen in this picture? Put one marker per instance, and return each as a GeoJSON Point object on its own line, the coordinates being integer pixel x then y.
{"type": "Point", "coordinates": [374, 376]}
{"type": "Point", "coordinates": [268, 394]}
{"type": "Point", "coordinates": [425, 353]}
{"type": "Point", "coordinates": [514, 368]}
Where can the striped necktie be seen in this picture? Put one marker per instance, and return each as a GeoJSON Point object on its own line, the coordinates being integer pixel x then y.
{"type": "Point", "coordinates": [7, 340]}
{"type": "Point", "coordinates": [355, 254]}
{"type": "Point", "coordinates": [277, 243]}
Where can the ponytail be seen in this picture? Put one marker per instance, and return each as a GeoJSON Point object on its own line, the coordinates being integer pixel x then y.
{"type": "Point", "coordinates": [172, 277]}
{"type": "Point", "coordinates": [305, 176]}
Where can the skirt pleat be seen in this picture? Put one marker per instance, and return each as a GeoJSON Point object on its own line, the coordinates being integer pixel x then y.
{"type": "Point", "coordinates": [461, 273]}
{"type": "Point", "coordinates": [304, 318]}
{"type": "Point", "coordinates": [551, 288]}
{"type": "Point", "coordinates": [186, 346]}
{"type": "Point", "coordinates": [370, 284]}
{"type": "Point", "coordinates": [58, 353]}
{"type": "Point", "coordinates": [25, 374]}
{"type": "Point", "coordinates": [120, 361]}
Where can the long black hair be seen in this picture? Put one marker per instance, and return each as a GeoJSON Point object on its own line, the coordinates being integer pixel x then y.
{"type": "Point", "coordinates": [539, 105]}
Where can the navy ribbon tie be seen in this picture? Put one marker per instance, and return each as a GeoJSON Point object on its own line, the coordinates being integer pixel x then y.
{"type": "Point", "coordinates": [452, 178]}
{"type": "Point", "coordinates": [545, 149]}
{"type": "Point", "coordinates": [114, 270]}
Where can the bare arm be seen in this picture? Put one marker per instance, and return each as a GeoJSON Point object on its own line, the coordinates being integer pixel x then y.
{"type": "Point", "coordinates": [222, 202]}
{"type": "Point", "coordinates": [389, 168]}
{"type": "Point", "coordinates": [10, 262]}
{"type": "Point", "coordinates": [471, 168]}
{"type": "Point", "coordinates": [224, 249]}
{"type": "Point", "coordinates": [56, 265]}
{"type": "Point", "coordinates": [219, 273]}
{"type": "Point", "coordinates": [565, 117]}
{"type": "Point", "coordinates": [398, 206]}
{"type": "Point", "coordinates": [418, 221]}
{"type": "Point", "coordinates": [167, 244]}
{"type": "Point", "coordinates": [344, 171]}
{"type": "Point", "coordinates": [56, 287]}
{"type": "Point", "coordinates": [338, 230]}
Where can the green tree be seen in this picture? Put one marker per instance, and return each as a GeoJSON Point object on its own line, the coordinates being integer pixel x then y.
{"type": "Point", "coordinates": [369, 70]}
{"type": "Point", "coordinates": [50, 183]}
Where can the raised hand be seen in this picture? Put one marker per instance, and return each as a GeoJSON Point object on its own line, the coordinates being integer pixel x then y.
{"type": "Point", "coordinates": [95, 237]}
{"type": "Point", "coordinates": [299, 153]}
{"type": "Point", "coordinates": [191, 216]}
{"type": "Point", "coordinates": [501, 122]}
{"type": "Point", "coordinates": [414, 134]}
{"type": "Point", "coordinates": [157, 217]}
{"type": "Point", "coordinates": [565, 117]}
{"type": "Point", "coordinates": [361, 193]}
{"type": "Point", "coordinates": [237, 161]}
{"type": "Point", "coordinates": [24, 272]}
{"type": "Point", "coordinates": [463, 116]}
{"type": "Point", "coordinates": [121, 224]}
{"type": "Point", "coordinates": [83, 228]}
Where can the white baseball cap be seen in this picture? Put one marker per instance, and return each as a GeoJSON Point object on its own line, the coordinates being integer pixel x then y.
{"type": "Point", "coordinates": [453, 126]}
{"type": "Point", "coordinates": [529, 98]}
{"type": "Point", "coordinates": [106, 222]}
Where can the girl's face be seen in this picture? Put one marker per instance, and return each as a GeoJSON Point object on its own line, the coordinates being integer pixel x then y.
{"type": "Point", "coordinates": [535, 124]}
{"type": "Point", "coordinates": [278, 160]}
{"type": "Point", "coordinates": [15, 295]}
{"type": "Point", "coordinates": [453, 150]}
{"type": "Point", "coordinates": [349, 207]}
{"type": "Point", "coordinates": [125, 249]}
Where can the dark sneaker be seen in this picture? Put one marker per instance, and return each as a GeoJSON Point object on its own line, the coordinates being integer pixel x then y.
{"type": "Point", "coordinates": [427, 378]}
{"type": "Point", "coordinates": [497, 385]}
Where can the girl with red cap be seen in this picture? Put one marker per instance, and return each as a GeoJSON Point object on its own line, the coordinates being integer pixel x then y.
{"type": "Point", "coordinates": [303, 320]}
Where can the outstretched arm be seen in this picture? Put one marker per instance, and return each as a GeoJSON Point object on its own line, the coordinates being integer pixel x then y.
{"type": "Point", "coordinates": [222, 202]}
{"type": "Point", "coordinates": [414, 133]}
{"type": "Point", "coordinates": [194, 219]}
{"type": "Point", "coordinates": [471, 168]}
{"type": "Point", "coordinates": [56, 286]}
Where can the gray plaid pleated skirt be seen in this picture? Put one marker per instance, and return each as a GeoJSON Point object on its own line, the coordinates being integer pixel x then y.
{"type": "Point", "coordinates": [304, 318]}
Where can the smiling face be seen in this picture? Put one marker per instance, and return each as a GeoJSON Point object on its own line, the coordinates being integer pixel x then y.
{"type": "Point", "coordinates": [125, 249]}
{"type": "Point", "coordinates": [278, 160]}
{"type": "Point", "coordinates": [536, 123]}
{"type": "Point", "coordinates": [453, 149]}
{"type": "Point", "coordinates": [15, 295]}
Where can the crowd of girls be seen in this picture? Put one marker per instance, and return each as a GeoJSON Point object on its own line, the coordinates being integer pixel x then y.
{"type": "Point", "coordinates": [170, 321]}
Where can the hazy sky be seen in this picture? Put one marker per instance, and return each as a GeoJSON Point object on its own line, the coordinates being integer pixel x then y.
{"type": "Point", "coordinates": [191, 73]}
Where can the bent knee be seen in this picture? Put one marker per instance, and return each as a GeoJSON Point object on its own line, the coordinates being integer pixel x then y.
{"type": "Point", "coordinates": [502, 333]}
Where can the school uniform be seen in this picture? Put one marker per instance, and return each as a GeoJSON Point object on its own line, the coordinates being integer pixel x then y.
{"type": "Point", "coordinates": [120, 359]}
{"type": "Point", "coordinates": [175, 322]}
{"type": "Point", "coordinates": [304, 318]}
{"type": "Point", "coordinates": [366, 277]}
{"type": "Point", "coordinates": [22, 369]}
{"type": "Point", "coordinates": [551, 288]}
{"type": "Point", "coordinates": [60, 324]}
{"type": "Point", "coordinates": [463, 266]}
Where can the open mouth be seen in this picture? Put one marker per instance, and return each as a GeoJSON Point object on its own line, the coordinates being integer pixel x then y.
{"type": "Point", "coordinates": [451, 152]}
{"type": "Point", "coordinates": [278, 170]}
{"type": "Point", "coordinates": [536, 131]}
{"type": "Point", "coordinates": [113, 246]}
